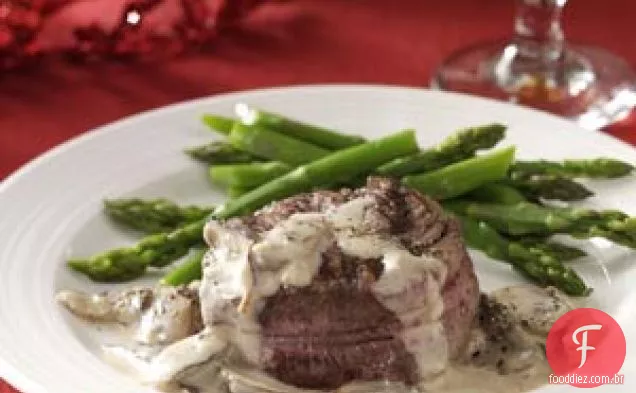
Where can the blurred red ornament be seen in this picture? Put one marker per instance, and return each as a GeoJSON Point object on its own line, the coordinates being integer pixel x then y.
{"type": "Point", "coordinates": [117, 29]}
{"type": "Point", "coordinates": [19, 24]}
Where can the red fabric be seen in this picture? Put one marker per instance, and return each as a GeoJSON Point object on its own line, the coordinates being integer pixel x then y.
{"type": "Point", "coordinates": [283, 43]}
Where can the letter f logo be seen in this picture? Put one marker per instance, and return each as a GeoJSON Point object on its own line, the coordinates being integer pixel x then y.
{"type": "Point", "coordinates": [583, 344]}
{"type": "Point", "coordinates": [606, 359]}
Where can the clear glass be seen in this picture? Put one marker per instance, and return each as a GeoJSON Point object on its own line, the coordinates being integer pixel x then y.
{"type": "Point", "coordinates": [538, 68]}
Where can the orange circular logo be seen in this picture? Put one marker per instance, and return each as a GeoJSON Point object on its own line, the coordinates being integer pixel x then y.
{"type": "Point", "coordinates": [586, 348]}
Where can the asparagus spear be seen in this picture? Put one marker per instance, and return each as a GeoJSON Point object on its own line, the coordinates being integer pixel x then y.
{"type": "Point", "coordinates": [152, 216]}
{"type": "Point", "coordinates": [319, 136]}
{"type": "Point", "coordinates": [558, 251]}
{"type": "Point", "coordinates": [457, 147]}
{"type": "Point", "coordinates": [528, 218]}
{"type": "Point", "coordinates": [497, 193]}
{"type": "Point", "coordinates": [247, 175]}
{"type": "Point", "coordinates": [547, 271]}
{"type": "Point", "coordinates": [128, 263]}
{"type": "Point", "coordinates": [541, 268]}
{"type": "Point", "coordinates": [221, 124]}
{"type": "Point", "coordinates": [594, 168]}
{"type": "Point", "coordinates": [519, 219]}
{"type": "Point", "coordinates": [551, 187]}
{"type": "Point", "coordinates": [341, 165]}
{"type": "Point", "coordinates": [480, 236]}
{"type": "Point", "coordinates": [464, 176]}
{"type": "Point", "coordinates": [235, 192]}
{"type": "Point", "coordinates": [218, 152]}
{"type": "Point", "coordinates": [188, 271]}
{"type": "Point", "coordinates": [274, 146]}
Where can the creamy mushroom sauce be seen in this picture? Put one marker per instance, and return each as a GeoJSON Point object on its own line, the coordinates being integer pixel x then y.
{"type": "Point", "coordinates": [173, 350]}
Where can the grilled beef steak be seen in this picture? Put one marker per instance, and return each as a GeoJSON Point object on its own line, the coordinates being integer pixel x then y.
{"type": "Point", "coordinates": [360, 317]}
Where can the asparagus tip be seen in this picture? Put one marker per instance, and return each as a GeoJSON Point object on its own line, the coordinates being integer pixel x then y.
{"type": "Point", "coordinates": [190, 150]}
{"type": "Point", "coordinates": [79, 265]}
{"type": "Point", "coordinates": [218, 123]}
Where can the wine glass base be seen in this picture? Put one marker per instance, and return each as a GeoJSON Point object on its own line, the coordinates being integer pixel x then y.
{"type": "Point", "coordinates": [588, 85]}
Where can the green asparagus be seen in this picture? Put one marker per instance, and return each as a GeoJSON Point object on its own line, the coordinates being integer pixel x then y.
{"type": "Point", "coordinates": [220, 153]}
{"type": "Point", "coordinates": [558, 251]}
{"type": "Point", "coordinates": [462, 177]}
{"type": "Point", "coordinates": [451, 170]}
{"type": "Point", "coordinates": [528, 218]}
{"type": "Point", "coordinates": [129, 263]}
{"type": "Point", "coordinates": [274, 146]}
{"type": "Point", "coordinates": [554, 187]}
{"type": "Point", "coordinates": [541, 268]}
{"type": "Point", "coordinates": [519, 219]}
{"type": "Point", "coordinates": [235, 192]}
{"type": "Point", "coordinates": [457, 147]}
{"type": "Point", "coordinates": [221, 124]}
{"type": "Point", "coordinates": [152, 216]}
{"type": "Point", "coordinates": [594, 168]}
{"type": "Point", "coordinates": [497, 192]}
{"type": "Point", "coordinates": [341, 165]}
{"type": "Point", "coordinates": [319, 136]}
{"type": "Point", "coordinates": [247, 176]}
{"type": "Point", "coordinates": [188, 271]}
{"type": "Point", "coordinates": [546, 270]}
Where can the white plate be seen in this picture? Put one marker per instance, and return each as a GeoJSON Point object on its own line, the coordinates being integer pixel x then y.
{"type": "Point", "coordinates": [50, 210]}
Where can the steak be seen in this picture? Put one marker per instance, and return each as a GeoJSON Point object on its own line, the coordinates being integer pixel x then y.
{"type": "Point", "coordinates": [338, 329]}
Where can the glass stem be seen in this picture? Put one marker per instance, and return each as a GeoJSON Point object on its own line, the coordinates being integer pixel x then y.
{"type": "Point", "coordinates": [538, 34]}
